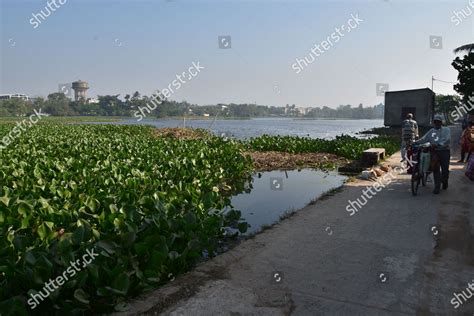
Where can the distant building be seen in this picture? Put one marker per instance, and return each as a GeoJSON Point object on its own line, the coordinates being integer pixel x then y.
{"type": "Point", "coordinates": [206, 115]}
{"type": "Point", "coordinates": [419, 102]}
{"type": "Point", "coordinates": [14, 96]}
{"type": "Point", "coordinates": [92, 101]}
{"type": "Point", "coordinates": [80, 88]}
{"type": "Point", "coordinates": [303, 111]}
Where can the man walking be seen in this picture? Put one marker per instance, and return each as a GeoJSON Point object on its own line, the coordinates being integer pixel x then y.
{"type": "Point", "coordinates": [409, 134]}
{"type": "Point", "coordinates": [440, 139]}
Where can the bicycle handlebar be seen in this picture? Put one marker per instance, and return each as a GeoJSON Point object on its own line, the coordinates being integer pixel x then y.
{"type": "Point", "coordinates": [424, 145]}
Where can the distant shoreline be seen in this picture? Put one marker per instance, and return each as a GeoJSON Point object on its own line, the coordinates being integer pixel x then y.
{"type": "Point", "coordinates": [258, 117]}
{"type": "Point", "coordinates": [91, 118]}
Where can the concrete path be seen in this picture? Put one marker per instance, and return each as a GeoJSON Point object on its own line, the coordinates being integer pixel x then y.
{"type": "Point", "coordinates": [398, 255]}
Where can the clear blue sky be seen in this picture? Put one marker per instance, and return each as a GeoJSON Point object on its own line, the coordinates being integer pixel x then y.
{"type": "Point", "coordinates": [123, 46]}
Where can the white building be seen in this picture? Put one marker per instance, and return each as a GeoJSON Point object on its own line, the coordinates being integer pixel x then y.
{"type": "Point", "coordinates": [14, 96]}
{"type": "Point", "coordinates": [303, 111]}
{"type": "Point", "coordinates": [92, 101]}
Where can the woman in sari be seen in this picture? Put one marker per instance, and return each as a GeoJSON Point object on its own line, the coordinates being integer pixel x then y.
{"type": "Point", "coordinates": [467, 141]}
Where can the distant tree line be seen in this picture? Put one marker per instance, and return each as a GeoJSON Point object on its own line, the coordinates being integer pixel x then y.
{"type": "Point", "coordinates": [57, 104]}
{"type": "Point", "coordinates": [347, 111]}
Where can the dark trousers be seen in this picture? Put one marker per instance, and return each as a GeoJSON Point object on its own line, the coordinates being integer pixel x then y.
{"type": "Point", "coordinates": [443, 175]}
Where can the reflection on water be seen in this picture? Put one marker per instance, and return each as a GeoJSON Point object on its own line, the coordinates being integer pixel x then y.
{"type": "Point", "coordinates": [274, 193]}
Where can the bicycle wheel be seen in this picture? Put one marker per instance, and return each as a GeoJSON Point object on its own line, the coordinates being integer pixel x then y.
{"type": "Point", "coordinates": [415, 181]}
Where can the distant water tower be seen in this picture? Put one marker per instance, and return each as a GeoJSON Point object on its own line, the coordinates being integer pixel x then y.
{"type": "Point", "coordinates": [80, 88]}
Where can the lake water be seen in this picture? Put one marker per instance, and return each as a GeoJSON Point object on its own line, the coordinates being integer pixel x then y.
{"type": "Point", "coordinates": [273, 126]}
{"type": "Point", "coordinates": [276, 193]}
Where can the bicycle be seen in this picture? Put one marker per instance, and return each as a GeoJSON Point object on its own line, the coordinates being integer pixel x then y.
{"type": "Point", "coordinates": [420, 166]}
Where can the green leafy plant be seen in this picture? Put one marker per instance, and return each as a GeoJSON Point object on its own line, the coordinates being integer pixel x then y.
{"type": "Point", "coordinates": [150, 206]}
{"type": "Point", "coordinates": [345, 146]}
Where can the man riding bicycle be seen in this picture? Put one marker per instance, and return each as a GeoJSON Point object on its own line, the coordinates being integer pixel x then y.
{"type": "Point", "coordinates": [440, 139]}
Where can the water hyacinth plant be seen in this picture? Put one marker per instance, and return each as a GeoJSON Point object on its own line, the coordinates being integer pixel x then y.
{"type": "Point", "coordinates": [344, 146]}
{"type": "Point", "coordinates": [149, 206]}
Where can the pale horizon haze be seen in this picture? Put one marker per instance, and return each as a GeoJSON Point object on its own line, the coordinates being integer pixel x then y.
{"type": "Point", "coordinates": [120, 47]}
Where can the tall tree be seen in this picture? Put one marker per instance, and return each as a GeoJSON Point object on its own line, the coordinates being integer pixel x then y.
{"type": "Point", "coordinates": [14, 107]}
{"type": "Point", "coordinates": [465, 68]}
{"type": "Point", "coordinates": [57, 104]}
{"type": "Point", "coordinates": [445, 104]}
{"type": "Point", "coordinates": [464, 48]}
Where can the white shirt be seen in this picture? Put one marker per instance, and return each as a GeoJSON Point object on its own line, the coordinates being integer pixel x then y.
{"type": "Point", "coordinates": [439, 137]}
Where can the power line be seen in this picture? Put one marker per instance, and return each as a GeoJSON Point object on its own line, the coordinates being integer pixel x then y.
{"type": "Point", "coordinates": [444, 81]}
{"type": "Point", "coordinates": [433, 79]}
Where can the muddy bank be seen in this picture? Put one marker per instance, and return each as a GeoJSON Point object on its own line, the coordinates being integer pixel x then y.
{"type": "Point", "coordinates": [180, 133]}
{"type": "Point", "coordinates": [274, 160]}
